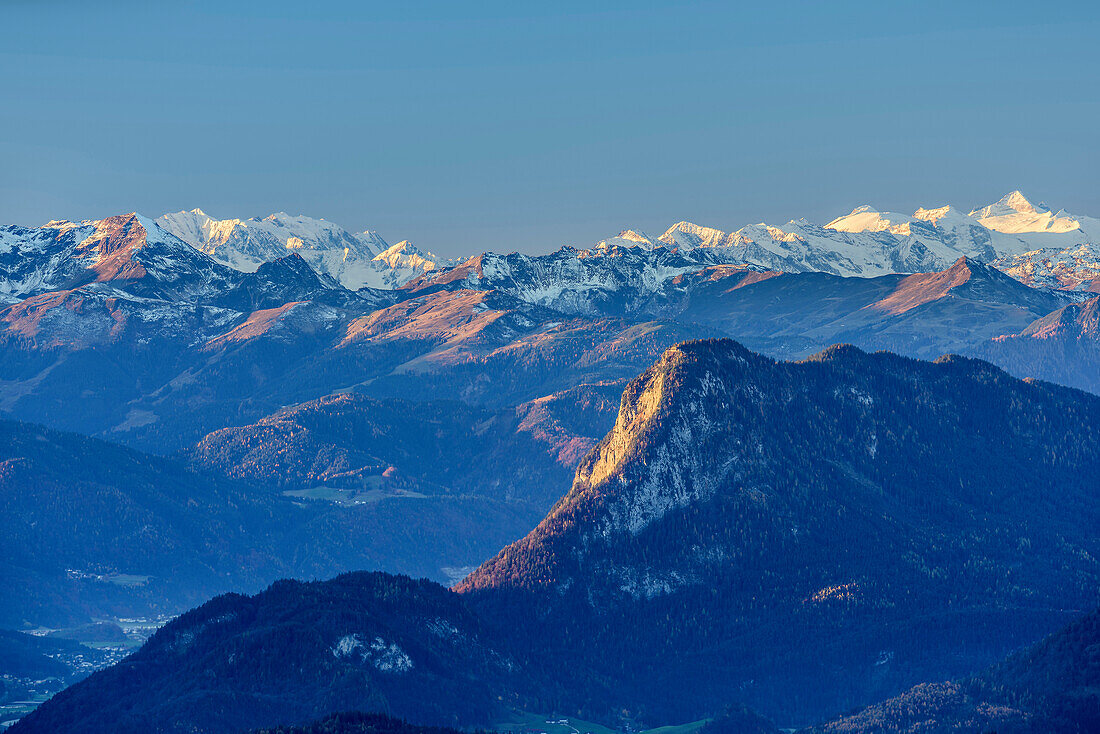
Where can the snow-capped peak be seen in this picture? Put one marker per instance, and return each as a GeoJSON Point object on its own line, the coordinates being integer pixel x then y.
{"type": "Point", "coordinates": [245, 244]}
{"type": "Point", "coordinates": [942, 213]}
{"type": "Point", "coordinates": [373, 239]}
{"type": "Point", "coordinates": [1014, 214]}
{"type": "Point", "coordinates": [1026, 240]}
{"type": "Point", "coordinates": [633, 236]}
{"type": "Point", "coordinates": [688, 235]}
{"type": "Point", "coordinates": [1016, 201]}
{"type": "Point", "coordinates": [626, 238]}
{"type": "Point", "coordinates": [1013, 202]}
{"type": "Point", "coordinates": [866, 219]}
{"type": "Point", "coordinates": [130, 251]}
{"type": "Point", "coordinates": [405, 255]}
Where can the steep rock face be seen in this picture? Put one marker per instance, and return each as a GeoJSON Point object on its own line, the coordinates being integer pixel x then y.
{"type": "Point", "coordinates": [128, 250]}
{"type": "Point", "coordinates": [739, 503]}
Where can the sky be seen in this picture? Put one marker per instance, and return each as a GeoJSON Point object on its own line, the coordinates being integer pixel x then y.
{"type": "Point", "coordinates": [524, 126]}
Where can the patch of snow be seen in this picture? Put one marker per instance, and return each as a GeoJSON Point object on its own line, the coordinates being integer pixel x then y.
{"type": "Point", "coordinates": [346, 646]}
{"type": "Point", "coordinates": [648, 584]}
{"type": "Point", "coordinates": [387, 657]}
{"type": "Point", "coordinates": [444, 629]}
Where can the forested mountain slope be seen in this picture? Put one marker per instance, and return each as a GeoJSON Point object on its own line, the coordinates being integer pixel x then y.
{"type": "Point", "coordinates": [357, 723]}
{"type": "Point", "coordinates": [838, 528]}
{"type": "Point", "coordinates": [296, 652]}
{"type": "Point", "coordinates": [380, 447]}
{"type": "Point", "coordinates": [1053, 687]}
{"type": "Point", "coordinates": [801, 537]}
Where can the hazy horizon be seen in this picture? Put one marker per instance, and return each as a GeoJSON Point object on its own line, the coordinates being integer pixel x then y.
{"type": "Point", "coordinates": [504, 128]}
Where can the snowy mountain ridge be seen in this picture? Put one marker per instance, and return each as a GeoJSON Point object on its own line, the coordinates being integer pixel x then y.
{"type": "Point", "coordinates": [354, 259]}
{"type": "Point", "coordinates": [126, 248]}
{"type": "Point", "coordinates": [1011, 233]}
{"type": "Point", "coordinates": [1030, 242]}
{"type": "Point", "coordinates": [1027, 241]}
{"type": "Point", "coordinates": [622, 273]}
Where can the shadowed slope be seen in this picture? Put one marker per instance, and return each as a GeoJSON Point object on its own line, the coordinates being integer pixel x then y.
{"type": "Point", "coordinates": [1053, 687]}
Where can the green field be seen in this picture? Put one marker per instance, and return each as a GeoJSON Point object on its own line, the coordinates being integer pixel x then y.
{"type": "Point", "coordinates": [14, 710]}
{"type": "Point", "coordinates": [690, 728]}
{"type": "Point", "coordinates": [348, 497]}
{"type": "Point", "coordinates": [529, 723]}
{"type": "Point", "coordinates": [126, 579]}
{"type": "Point", "coordinates": [523, 721]}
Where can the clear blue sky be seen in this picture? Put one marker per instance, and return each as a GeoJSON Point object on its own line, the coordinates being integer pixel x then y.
{"type": "Point", "coordinates": [524, 126]}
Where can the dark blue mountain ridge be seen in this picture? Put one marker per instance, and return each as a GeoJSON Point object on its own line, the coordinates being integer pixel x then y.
{"type": "Point", "coordinates": [1052, 687]}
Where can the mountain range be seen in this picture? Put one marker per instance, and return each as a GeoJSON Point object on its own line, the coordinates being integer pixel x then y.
{"type": "Point", "coordinates": [804, 537]}
{"type": "Point", "coordinates": [194, 406]}
{"type": "Point", "coordinates": [1029, 241]}
{"type": "Point", "coordinates": [1032, 243]}
{"type": "Point", "coordinates": [121, 330]}
{"type": "Point", "coordinates": [355, 260]}
{"type": "Point", "coordinates": [284, 378]}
